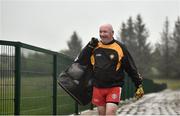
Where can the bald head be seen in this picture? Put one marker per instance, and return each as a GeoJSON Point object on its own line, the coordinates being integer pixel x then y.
{"type": "Point", "coordinates": [108, 26]}
{"type": "Point", "coordinates": [106, 33]}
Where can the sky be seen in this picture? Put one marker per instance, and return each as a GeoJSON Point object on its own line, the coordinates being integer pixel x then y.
{"type": "Point", "coordinates": [50, 23]}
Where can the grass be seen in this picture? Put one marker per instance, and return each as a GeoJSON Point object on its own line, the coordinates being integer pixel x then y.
{"type": "Point", "coordinates": [6, 95]}
{"type": "Point", "coordinates": [173, 84]}
{"type": "Point", "coordinates": [36, 97]}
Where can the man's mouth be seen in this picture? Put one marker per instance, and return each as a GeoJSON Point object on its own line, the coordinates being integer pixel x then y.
{"type": "Point", "coordinates": [106, 40]}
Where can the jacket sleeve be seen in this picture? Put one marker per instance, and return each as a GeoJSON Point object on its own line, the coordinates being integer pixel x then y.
{"type": "Point", "coordinates": [130, 67]}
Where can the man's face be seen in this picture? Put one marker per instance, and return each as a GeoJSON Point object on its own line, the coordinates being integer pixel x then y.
{"type": "Point", "coordinates": [105, 33]}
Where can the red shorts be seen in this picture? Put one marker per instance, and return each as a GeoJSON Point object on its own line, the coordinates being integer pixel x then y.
{"type": "Point", "coordinates": [101, 96]}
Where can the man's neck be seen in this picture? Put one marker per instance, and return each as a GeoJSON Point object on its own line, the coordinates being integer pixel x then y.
{"type": "Point", "coordinates": [108, 41]}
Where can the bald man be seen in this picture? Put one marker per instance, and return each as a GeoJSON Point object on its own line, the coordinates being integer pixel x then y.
{"type": "Point", "coordinates": [109, 59]}
{"type": "Point", "coordinates": [106, 33]}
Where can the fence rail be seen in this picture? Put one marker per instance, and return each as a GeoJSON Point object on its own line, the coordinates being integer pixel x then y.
{"type": "Point", "coordinates": [28, 81]}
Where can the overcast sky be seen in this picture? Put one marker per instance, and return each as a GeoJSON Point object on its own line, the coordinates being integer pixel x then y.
{"type": "Point", "coordinates": [50, 23]}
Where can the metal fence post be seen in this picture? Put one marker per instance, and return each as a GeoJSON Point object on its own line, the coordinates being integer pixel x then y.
{"type": "Point", "coordinates": [54, 84]}
{"type": "Point", "coordinates": [76, 108]}
{"type": "Point", "coordinates": [17, 79]}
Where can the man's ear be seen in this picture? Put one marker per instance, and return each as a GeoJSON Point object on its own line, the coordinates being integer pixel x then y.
{"type": "Point", "coordinates": [112, 32]}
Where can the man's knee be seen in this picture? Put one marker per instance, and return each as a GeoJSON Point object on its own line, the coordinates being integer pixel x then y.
{"type": "Point", "coordinates": [111, 109]}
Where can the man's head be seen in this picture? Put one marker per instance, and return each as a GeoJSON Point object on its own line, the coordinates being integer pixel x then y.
{"type": "Point", "coordinates": [106, 33]}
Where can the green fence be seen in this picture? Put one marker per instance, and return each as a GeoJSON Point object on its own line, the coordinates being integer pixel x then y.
{"type": "Point", "coordinates": [28, 81]}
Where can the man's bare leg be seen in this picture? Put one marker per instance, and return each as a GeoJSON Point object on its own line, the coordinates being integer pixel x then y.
{"type": "Point", "coordinates": [111, 108]}
{"type": "Point", "coordinates": [101, 110]}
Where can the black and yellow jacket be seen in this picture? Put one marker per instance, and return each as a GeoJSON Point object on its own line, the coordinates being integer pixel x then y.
{"type": "Point", "coordinates": [109, 61]}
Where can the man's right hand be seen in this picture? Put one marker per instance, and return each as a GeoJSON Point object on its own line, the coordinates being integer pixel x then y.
{"type": "Point", "coordinates": [93, 43]}
{"type": "Point", "coordinates": [139, 92]}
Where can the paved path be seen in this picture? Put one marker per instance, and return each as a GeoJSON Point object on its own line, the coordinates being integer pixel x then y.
{"type": "Point", "coordinates": [166, 102]}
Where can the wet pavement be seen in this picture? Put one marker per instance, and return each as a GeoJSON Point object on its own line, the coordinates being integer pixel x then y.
{"type": "Point", "coordinates": [166, 102]}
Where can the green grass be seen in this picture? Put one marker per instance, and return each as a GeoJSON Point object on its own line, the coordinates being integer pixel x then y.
{"type": "Point", "coordinates": [6, 95]}
{"type": "Point", "coordinates": [172, 84]}
{"type": "Point", "coordinates": [36, 97]}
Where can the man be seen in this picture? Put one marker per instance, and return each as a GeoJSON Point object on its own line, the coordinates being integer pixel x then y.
{"type": "Point", "coordinates": [109, 60]}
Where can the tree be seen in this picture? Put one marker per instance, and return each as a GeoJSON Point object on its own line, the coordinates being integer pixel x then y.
{"type": "Point", "coordinates": [123, 33]}
{"type": "Point", "coordinates": [134, 36]}
{"type": "Point", "coordinates": [143, 47]}
{"type": "Point", "coordinates": [176, 39]}
{"type": "Point", "coordinates": [127, 36]}
{"type": "Point", "coordinates": [166, 51]}
{"type": "Point", "coordinates": [74, 46]}
{"type": "Point", "coordinates": [156, 61]}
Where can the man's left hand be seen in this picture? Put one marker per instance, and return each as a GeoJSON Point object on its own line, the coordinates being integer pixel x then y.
{"type": "Point", "coordinates": [93, 43]}
{"type": "Point", "coordinates": [139, 92]}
